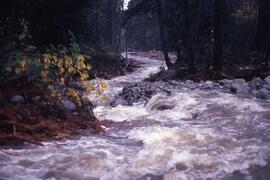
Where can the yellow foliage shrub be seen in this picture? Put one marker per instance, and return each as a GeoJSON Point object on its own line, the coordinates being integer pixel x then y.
{"type": "Point", "coordinates": [53, 70]}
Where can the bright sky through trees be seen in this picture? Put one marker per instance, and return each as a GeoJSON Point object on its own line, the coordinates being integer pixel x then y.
{"type": "Point", "coordinates": [126, 3]}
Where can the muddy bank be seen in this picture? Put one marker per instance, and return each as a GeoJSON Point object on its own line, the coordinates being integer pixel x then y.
{"type": "Point", "coordinates": [30, 114]}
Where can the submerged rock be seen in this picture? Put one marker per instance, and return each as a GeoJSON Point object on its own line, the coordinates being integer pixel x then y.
{"type": "Point", "coordinates": [181, 167]}
{"type": "Point", "coordinates": [159, 102]}
{"type": "Point", "coordinates": [165, 107]}
{"type": "Point", "coordinates": [150, 177]}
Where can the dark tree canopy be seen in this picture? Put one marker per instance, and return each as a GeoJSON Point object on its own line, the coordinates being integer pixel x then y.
{"type": "Point", "coordinates": [198, 30]}
{"type": "Point", "coordinates": [92, 22]}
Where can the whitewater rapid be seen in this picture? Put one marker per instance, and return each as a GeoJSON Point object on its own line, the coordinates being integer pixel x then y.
{"type": "Point", "coordinates": [198, 135]}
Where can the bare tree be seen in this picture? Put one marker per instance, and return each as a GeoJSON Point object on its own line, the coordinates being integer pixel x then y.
{"type": "Point", "coordinates": [218, 59]}
{"type": "Point", "coordinates": [163, 35]}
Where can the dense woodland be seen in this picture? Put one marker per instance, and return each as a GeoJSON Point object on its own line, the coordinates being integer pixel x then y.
{"type": "Point", "coordinates": [214, 32]}
{"type": "Point", "coordinates": [197, 31]}
{"type": "Point", "coordinates": [94, 23]}
{"type": "Point", "coordinates": [47, 46]}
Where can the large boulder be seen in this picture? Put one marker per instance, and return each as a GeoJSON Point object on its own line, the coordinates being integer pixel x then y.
{"type": "Point", "coordinates": [160, 102]}
{"type": "Point", "coordinates": [210, 84]}
{"type": "Point", "coordinates": [190, 84]}
{"type": "Point", "coordinates": [239, 81]}
{"type": "Point", "coordinates": [256, 83]}
{"type": "Point", "coordinates": [240, 86]}
{"type": "Point", "coordinates": [138, 92]}
{"type": "Point", "coordinates": [226, 83]}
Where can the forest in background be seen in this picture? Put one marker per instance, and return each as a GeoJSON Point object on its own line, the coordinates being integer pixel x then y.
{"type": "Point", "coordinates": [94, 23]}
{"type": "Point", "coordinates": [42, 24]}
{"type": "Point", "coordinates": [219, 33]}
{"type": "Point", "coordinates": [197, 31]}
{"type": "Point", "coordinates": [49, 50]}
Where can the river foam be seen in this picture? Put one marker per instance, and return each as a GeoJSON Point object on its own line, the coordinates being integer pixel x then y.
{"type": "Point", "coordinates": [186, 134]}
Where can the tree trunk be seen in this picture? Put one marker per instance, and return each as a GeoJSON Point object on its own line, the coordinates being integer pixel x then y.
{"type": "Point", "coordinates": [120, 8]}
{"type": "Point", "coordinates": [267, 55]}
{"type": "Point", "coordinates": [263, 30]}
{"type": "Point", "coordinates": [163, 36]}
{"type": "Point", "coordinates": [109, 14]}
{"type": "Point", "coordinates": [263, 24]}
{"type": "Point", "coordinates": [189, 38]}
{"type": "Point", "coordinates": [218, 59]}
{"type": "Point", "coordinates": [179, 55]}
{"type": "Point", "coordinates": [195, 30]}
{"type": "Point", "coordinates": [97, 42]}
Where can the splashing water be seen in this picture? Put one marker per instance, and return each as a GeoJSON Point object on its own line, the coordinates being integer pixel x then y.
{"type": "Point", "coordinates": [186, 135]}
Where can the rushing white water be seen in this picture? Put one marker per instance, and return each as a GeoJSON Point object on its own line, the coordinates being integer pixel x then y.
{"type": "Point", "coordinates": [200, 135]}
{"type": "Point", "coordinates": [149, 66]}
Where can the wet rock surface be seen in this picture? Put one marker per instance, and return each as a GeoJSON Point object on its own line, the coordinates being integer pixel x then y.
{"type": "Point", "coordinates": [150, 177]}
{"type": "Point", "coordinates": [145, 90]}
{"type": "Point", "coordinates": [139, 92]}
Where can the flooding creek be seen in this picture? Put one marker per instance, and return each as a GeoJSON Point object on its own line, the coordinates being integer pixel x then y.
{"type": "Point", "coordinates": [183, 134]}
